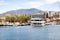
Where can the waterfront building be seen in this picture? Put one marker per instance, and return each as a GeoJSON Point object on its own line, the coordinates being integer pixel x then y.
{"type": "Point", "coordinates": [2, 20]}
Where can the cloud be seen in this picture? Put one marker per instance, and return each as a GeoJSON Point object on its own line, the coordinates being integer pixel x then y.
{"type": "Point", "coordinates": [32, 4]}
{"type": "Point", "coordinates": [2, 2]}
{"type": "Point", "coordinates": [51, 1]}
{"type": "Point", "coordinates": [26, 4]}
{"type": "Point", "coordinates": [58, 0]}
{"type": "Point", "coordinates": [38, 4]}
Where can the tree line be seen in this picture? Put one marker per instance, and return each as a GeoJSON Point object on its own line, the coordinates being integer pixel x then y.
{"type": "Point", "coordinates": [21, 18]}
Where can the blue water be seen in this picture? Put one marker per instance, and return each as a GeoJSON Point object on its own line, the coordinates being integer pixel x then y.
{"type": "Point", "coordinates": [50, 32]}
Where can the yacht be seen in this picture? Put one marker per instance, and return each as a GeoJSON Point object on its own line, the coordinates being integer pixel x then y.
{"type": "Point", "coordinates": [36, 20]}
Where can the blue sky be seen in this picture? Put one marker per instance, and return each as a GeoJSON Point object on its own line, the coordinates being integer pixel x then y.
{"type": "Point", "coordinates": [7, 5]}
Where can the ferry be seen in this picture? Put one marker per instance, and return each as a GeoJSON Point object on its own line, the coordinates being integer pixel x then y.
{"type": "Point", "coordinates": [36, 20]}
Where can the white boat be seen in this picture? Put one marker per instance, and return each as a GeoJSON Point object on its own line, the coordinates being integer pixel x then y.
{"type": "Point", "coordinates": [37, 23]}
{"type": "Point", "coordinates": [36, 20]}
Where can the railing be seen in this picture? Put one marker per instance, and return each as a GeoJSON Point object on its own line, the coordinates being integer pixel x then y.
{"type": "Point", "coordinates": [36, 18]}
{"type": "Point", "coordinates": [37, 21]}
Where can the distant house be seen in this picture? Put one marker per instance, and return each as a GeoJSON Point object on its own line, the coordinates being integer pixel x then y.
{"type": "Point", "coordinates": [2, 20]}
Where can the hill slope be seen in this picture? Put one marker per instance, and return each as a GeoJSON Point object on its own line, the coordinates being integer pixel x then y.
{"type": "Point", "coordinates": [25, 11]}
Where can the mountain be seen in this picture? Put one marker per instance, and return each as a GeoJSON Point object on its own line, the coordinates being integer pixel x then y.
{"type": "Point", "coordinates": [25, 11]}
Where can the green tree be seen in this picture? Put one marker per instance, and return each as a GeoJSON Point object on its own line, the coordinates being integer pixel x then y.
{"type": "Point", "coordinates": [8, 17]}
{"type": "Point", "coordinates": [11, 17]}
{"type": "Point", "coordinates": [23, 18]}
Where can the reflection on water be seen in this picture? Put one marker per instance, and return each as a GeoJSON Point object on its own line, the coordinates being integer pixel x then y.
{"type": "Point", "coordinates": [50, 32]}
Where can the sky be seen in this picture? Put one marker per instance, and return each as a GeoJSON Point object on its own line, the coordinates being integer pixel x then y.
{"type": "Point", "coordinates": [45, 5]}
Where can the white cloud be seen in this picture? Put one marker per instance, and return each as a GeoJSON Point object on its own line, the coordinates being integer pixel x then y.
{"type": "Point", "coordinates": [2, 2]}
{"type": "Point", "coordinates": [38, 4]}
{"type": "Point", "coordinates": [58, 0]}
{"type": "Point", "coordinates": [50, 1]}
{"type": "Point", "coordinates": [32, 4]}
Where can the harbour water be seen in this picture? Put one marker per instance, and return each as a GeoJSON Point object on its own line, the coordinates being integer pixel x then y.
{"type": "Point", "coordinates": [48, 32]}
